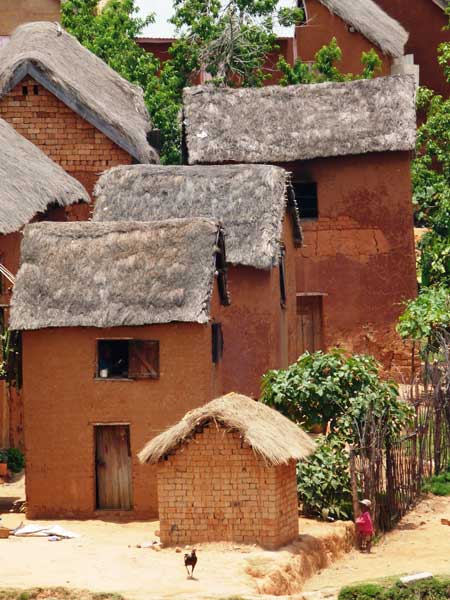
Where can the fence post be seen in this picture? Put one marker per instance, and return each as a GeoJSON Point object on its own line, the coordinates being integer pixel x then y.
{"type": "Point", "coordinates": [354, 483]}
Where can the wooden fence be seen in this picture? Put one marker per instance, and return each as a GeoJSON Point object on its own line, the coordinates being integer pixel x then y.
{"type": "Point", "coordinates": [392, 477]}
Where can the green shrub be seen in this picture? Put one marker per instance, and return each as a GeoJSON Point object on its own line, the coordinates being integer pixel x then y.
{"type": "Point", "coordinates": [16, 460]}
{"type": "Point", "coordinates": [439, 484]}
{"type": "Point", "coordinates": [323, 481]}
{"type": "Point", "coordinates": [427, 589]}
{"type": "Point", "coordinates": [364, 591]}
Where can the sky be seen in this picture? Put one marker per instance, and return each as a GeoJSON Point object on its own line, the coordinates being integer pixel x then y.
{"type": "Point", "coordinates": [163, 10]}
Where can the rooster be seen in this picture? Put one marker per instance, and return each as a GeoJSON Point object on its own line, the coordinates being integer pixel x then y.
{"type": "Point", "coordinates": [190, 560]}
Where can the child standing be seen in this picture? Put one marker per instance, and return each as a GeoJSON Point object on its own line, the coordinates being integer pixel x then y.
{"type": "Point", "coordinates": [364, 526]}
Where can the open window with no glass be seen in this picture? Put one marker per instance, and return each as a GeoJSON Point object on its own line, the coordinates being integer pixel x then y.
{"type": "Point", "coordinates": [127, 359]}
{"type": "Point", "coordinates": [306, 199]}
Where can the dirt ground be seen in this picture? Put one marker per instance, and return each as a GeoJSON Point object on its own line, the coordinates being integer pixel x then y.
{"type": "Point", "coordinates": [420, 543]}
{"type": "Point", "coordinates": [105, 559]}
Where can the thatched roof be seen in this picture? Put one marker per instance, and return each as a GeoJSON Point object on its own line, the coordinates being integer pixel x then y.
{"type": "Point", "coordinates": [366, 17]}
{"type": "Point", "coordinates": [82, 81]}
{"type": "Point", "coordinates": [299, 122]}
{"type": "Point", "coordinates": [112, 274]}
{"type": "Point", "coordinates": [271, 435]}
{"type": "Point", "coordinates": [444, 4]}
{"type": "Point", "coordinates": [30, 181]}
{"type": "Point", "coordinates": [249, 200]}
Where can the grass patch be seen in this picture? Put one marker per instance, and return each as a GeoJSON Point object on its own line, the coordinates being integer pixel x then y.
{"type": "Point", "coordinates": [58, 593]}
{"type": "Point", "coordinates": [439, 485]}
{"type": "Point", "coordinates": [435, 588]}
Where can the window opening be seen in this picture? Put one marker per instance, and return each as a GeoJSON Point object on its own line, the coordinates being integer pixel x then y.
{"type": "Point", "coordinates": [217, 342]}
{"type": "Point", "coordinates": [221, 269]}
{"type": "Point", "coordinates": [127, 359]}
{"type": "Point", "coordinates": [302, 4]}
{"type": "Point", "coordinates": [36, 90]}
{"type": "Point", "coordinates": [24, 90]}
{"type": "Point", "coordinates": [282, 270]}
{"type": "Point", "coordinates": [306, 199]}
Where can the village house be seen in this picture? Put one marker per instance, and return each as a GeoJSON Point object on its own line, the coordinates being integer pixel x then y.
{"type": "Point", "coordinates": [227, 472]}
{"type": "Point", "coordinates": [256, 207]}
{"type": "Point", "coordinates": [426, 22]}
{"type": "Point", "coordinates": [16, 12]}
{"type": "Point", "coordinates": [68, 102]}
{"type": "Point", "coordinates": [357, 26]}
{"type": "Point", "coordinates": [121, 336]}
{"type": "Point", "coordinates": [32, 187]}
{"type": "Point", "coordinates": [348, 147]}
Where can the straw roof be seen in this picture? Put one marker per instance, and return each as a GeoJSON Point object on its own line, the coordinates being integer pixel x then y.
{"type": "Point", "coordinates": [299, 122]}
{"type": "Point", "coordinates": [444, 4]}
{"type": "Point", "coordinates": [113, 274]}
{"type": "Point", "coordinates": [271, 435]}
{"type": "Point", "coordinates": [249, 200]}
{"type": "Point", "coordinates": [366, 17]}
{"type": "Point", "coordinates": [82, 81]}
{"type": "Point", "coordinates": [30, 181]}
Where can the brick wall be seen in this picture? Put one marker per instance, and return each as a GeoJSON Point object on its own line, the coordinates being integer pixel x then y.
{"type": "Point", "coordinates": [64, 136]}
{"type": "Point", "coordinates": [216, 489]}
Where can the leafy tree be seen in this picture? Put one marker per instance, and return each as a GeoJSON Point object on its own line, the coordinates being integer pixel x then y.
{"type": "Point", "coordinates": [228, 41]}
{"type": "Point", "coordinates": [324, 67]}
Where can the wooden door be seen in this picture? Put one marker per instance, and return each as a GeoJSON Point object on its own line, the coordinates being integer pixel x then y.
{"type": "Point", "coordinates": [113, 467]}
{"type": "Point", "coordinates": [309, 324]}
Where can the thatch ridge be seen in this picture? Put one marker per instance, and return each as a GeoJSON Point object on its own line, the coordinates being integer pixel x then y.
{"type": "Point", "coordinates": [249, 200]}
{"type": "Point", "coordinates": [299, 122]}
{"type": "Point", "coordinates": [88, 274]}
{"type": "Point", "coordinates": [271, 435]}
{"type": "Point", "coordinates": [82, 81]}
{"type": "Point", "coordinates": [30, 181]}
{"type": "Point", "coordinates": [366, 17]}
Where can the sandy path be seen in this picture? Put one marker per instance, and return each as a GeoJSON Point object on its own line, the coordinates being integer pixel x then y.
{"type": "Point", "coordinates": [420, 543]}
{"type": "Point", "coordinates": [105, 559]}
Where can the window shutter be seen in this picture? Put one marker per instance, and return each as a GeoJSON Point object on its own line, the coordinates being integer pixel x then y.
{"type": "Point", "coordinates": [217, 342]}
{"type": "Point", "coordinates": [282, 269]}
{"type": "Point", "coordinates": [143, 361]}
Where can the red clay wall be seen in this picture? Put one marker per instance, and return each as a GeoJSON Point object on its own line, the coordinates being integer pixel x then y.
{"type": "Point", "coordinates": [258, 334]}
{"type": "Point", "coordinates": [63, 401]}
{"type": "Point", "coordinates": [321, 27]}
{"type": "Point", "coordinates": [65, 137]}
{"type": "Point", "coordinates": [360, 252]}
{"type": "Point", "coordinates": [215, 489]}
{"type": "Point", "coordinates": [424, 20]}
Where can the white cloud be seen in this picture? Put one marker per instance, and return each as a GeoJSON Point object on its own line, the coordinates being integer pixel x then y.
{"type": "Point", "coordinates": [163, 10]}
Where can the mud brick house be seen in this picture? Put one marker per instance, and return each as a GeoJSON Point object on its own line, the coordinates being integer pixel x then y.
{"type": "Point", "coordinates": [261, 226]}
{"type": "Point", "coordinates": [425, 20]}
{"type": "Point", "coordinates": [32, 187]}
{"type": "Point", "coordinates": [121, 336]}
{"type": "Point", "coordinates": [358, 26]}
{"type": "Point", "coordinates": [348, 147]}
{"type": "Point", "coordinates": [16, 12]}
{"type": "Point", "coordinates": [227, 472]}
{"type": "Point", "coordinates": [68, 102]}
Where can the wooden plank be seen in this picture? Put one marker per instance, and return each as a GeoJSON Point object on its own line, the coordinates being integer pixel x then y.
{"type": "Point", "coordinates": [113, 467]}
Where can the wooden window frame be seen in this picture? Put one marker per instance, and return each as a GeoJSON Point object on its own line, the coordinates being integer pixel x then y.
{"type": "Point", "coordinates": [132, 343]}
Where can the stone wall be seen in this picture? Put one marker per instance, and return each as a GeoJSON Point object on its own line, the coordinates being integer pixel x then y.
{"type": "Point", "coordinates": [216, 489]}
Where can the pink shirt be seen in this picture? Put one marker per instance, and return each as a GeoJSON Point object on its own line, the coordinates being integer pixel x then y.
{"type": "Point", "coordinates": [364, 524]}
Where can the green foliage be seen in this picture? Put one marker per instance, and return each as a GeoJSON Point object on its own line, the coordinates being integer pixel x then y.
{"type": "Point", "coordinates": [331, 387]}
{"type": "Point", "coordinates": [364, 591]}
{"type": "Point", "coordinates": [426, 316]}
{"type": "Point", "coordinates": [439, 485]}
{"type": "Point", "coordinates": [427, 589]}
{"type": "Point", "coordinates": [324, 67]}
{"type": "Point", "coordinates": [16, 460]}
{"type": "Point", "coordinates": [323, 482]}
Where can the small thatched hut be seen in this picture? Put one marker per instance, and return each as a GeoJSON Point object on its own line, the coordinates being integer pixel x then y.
{"type": "Point", "coordinates": [255, 204]}
{"type": "Point", "coordinates": [348, 148]}
{"type": "Point", "coordinates": [227, 472]}
{"type": "Point", "coordinates": [120, 331]}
